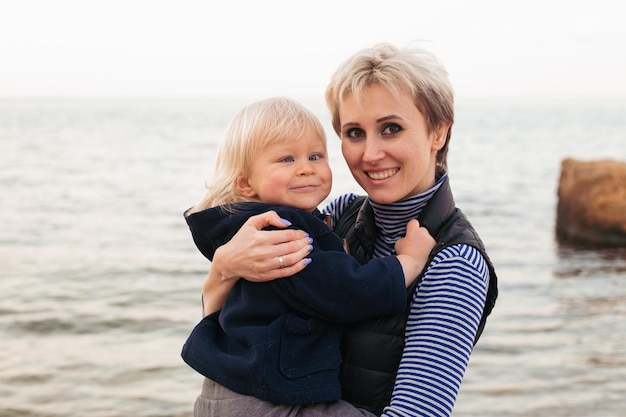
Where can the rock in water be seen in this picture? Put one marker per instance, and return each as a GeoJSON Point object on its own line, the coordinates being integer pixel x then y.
{"type": "Point", "coordinates": [592, 202]}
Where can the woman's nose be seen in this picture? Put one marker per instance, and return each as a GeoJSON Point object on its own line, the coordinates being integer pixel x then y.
{"type": "Point", "coordinates": [373, 150]}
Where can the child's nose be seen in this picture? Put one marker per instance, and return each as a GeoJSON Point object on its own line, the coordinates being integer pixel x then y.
{"type": "Point", "coordinates": [306, 168]}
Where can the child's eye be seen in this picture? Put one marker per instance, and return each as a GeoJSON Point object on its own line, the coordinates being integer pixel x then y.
{"type": "Point", "coordinates": [391, 129]}
{"type": "Point", "coordinates": [287, 159]}
{"type": "Point", "coordinates": [315, 157]}
{"type": "Point", "coordinates": [355, 133]}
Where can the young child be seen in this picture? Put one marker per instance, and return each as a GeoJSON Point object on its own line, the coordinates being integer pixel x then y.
{"type": "Point", "coordinates": [278, 342]}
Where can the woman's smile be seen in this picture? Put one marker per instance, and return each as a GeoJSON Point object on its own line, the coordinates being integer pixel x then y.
{"type": "Point", "coordinates": [381, 174]}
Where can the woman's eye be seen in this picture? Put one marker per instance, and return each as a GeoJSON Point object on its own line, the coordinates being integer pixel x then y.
{"type": "Point", "coordinates": [355, 133]}
{"type": "Point", "coordinates": [391, 129]}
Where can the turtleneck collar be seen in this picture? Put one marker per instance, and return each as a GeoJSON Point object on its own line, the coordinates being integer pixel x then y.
{"type": "Point", "coordinates": [391, 219]}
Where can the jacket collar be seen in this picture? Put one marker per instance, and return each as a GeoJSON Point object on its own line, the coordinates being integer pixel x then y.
{"type": "Point", "coordinates": [433, 216]}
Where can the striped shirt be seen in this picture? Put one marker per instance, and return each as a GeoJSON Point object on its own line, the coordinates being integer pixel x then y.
{"type": "Point", "coordinates": [443, 317]}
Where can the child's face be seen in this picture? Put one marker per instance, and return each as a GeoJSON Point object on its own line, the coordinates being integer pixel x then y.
{"type": "Point", "coordinates": [294, 173]}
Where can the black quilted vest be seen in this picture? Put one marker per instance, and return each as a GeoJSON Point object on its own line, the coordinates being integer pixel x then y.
{"type": "Point", "coordinates": [372, 350]}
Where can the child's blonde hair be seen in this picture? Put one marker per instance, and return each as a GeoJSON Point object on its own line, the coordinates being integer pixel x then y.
{"type": "Point", "coordinates": [262, 123]}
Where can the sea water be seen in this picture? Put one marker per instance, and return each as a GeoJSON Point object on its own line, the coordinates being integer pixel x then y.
{"type": "Point", "coordinates": [100, 280]}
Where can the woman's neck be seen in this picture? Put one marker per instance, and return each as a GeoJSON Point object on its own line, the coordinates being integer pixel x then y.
{"type": "Point", "coordinates": [391, 219]}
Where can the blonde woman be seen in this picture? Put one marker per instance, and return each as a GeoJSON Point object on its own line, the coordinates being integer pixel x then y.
{"type": "Point", "coordinates": [393, 110]}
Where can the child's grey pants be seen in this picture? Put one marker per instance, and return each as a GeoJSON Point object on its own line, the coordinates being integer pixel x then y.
{"type": "Point", "coordinates": [218, 401]}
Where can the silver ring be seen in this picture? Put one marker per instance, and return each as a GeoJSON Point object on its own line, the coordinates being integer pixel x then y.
{"type": "Point", "coordinates": [281, 262]}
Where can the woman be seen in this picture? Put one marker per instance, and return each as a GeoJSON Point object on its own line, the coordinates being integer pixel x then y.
{"type": "Point", "coordinates": [393, 110]}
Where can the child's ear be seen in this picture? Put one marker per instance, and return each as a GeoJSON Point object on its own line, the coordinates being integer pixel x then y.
{"type": "Point", "coordinates": [244, 188]}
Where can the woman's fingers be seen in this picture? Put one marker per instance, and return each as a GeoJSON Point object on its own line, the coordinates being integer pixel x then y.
{"type": "Point", "coordinates": [254, 254]}
{"type": "Point", "coordinates": [252, 228]}
{"type": "Point", "coordinates": [293, 252]}
{"type": "Point", "coordinates": [287, 271]}
{"type": "Point", "coordinates": [268, 264]}
{"type": "Point", "coordinates": [263, 220]}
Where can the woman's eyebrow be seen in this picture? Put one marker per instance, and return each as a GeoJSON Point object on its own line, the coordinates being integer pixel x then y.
{"type": "Point", "coordinates": [349, 124]}
{"type": "Point", "coordinates": [390, 117]}
{"type": "Point", "coordinates": [380, 120]}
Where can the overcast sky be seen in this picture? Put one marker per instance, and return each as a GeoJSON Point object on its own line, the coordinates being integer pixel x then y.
{"type": "Point", "coordinates": [136, 48]}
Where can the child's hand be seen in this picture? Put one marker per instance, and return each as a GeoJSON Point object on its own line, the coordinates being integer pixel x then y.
{"type": "Point", "coordinates": [413, 250]}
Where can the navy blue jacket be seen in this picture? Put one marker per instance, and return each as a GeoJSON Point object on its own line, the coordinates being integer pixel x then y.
{"type": "Point", "coordinates": [280, 340]}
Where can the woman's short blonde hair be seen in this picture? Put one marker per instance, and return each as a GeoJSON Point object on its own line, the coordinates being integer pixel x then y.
{"type": "Point", "coordinates": [414, 70]}
{"type": "Point", "coordinates": [254, 127]}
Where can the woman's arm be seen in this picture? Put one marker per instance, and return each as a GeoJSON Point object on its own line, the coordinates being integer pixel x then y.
{"type": "Point", "coordinates": [254, 253]}
{"type": "Point", "coordinates": [441, 327]}
{"type": "Point", "coordinates": [338, 288]}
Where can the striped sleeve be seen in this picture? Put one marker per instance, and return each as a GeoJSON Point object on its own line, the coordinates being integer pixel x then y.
{"type": "Point", "coordinates": [443, 320]}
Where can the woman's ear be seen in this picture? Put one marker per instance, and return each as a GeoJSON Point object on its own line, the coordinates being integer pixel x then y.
{"type": "Point", "coordinates": [244, 188]}
{"type": "Point", "coordinates": [441, 134]}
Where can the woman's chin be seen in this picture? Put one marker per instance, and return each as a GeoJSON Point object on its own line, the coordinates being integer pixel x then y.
{"type": "Point", "coordinates": [382, 197]}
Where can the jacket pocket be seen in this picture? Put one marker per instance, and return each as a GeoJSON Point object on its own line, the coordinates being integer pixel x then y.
{"type": "Point", "coordinates": [308, 346]}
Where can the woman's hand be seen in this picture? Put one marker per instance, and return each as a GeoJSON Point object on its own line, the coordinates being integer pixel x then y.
{"type": "Point", "coordinates": [256, 255]}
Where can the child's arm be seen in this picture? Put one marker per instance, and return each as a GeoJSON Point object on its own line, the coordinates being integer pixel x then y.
{"type": "Point", "coordinates": [335, 287]}
{"type": "Point", "coordinates": [335, 275]}
{"type": "Point", "coordinates": [413, 250]}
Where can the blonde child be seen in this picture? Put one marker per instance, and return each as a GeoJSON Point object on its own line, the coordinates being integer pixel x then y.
{"type": "Point", "coordinates": [273, 349]}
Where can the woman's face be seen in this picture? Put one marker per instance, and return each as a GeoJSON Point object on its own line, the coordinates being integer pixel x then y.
{"type": "Point", "coordinates": [387, 146]}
